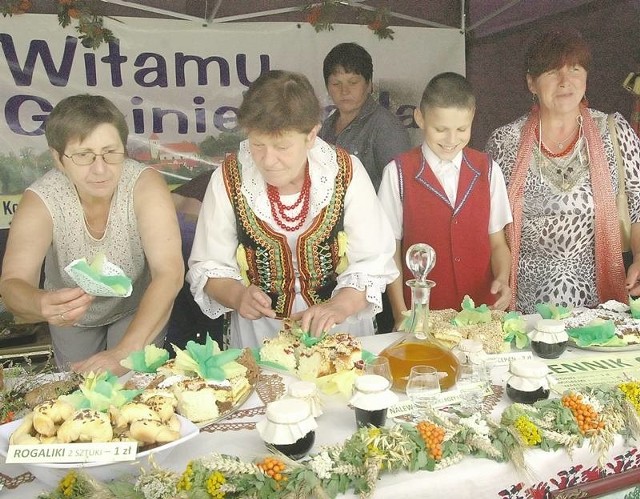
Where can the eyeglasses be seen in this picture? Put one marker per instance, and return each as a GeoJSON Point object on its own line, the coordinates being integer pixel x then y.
{"type": "Point", "coordinates": [87, 158]}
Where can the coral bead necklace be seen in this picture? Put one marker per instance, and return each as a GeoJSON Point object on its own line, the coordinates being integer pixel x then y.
{"type": "Point", "coordinates": [280, 211]}
{"type": "Point", "coordinates": [565, 151]}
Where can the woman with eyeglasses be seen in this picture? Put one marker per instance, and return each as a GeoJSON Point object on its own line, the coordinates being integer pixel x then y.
{"type": "Point", "coordinates": [96, 201]}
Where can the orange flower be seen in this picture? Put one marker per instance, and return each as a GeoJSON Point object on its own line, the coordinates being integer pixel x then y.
{"type": "Point", "coordinates": [75, 13]}
{"type": "Point", "coordinates": [24, 5]}
{"type": "Point", "coordinates": [313, 16]}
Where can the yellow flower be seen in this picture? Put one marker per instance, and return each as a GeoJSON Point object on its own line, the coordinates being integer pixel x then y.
{"type": "Point", "coordinates": [241, 258]}
{"type": "Point", "coordinates": [68, 483]}
{"type": "Point", "coordinates": [185, 480]}
{"type": "Point", "coordinates": [528, 431]}
{"type": "Point", "coordinates": [215, 480]}
{"type": "Point", "coordinates": [343, 241]}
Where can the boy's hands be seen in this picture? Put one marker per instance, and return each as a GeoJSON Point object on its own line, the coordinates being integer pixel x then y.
{"type": "Point", "coordinates": [503, 292]}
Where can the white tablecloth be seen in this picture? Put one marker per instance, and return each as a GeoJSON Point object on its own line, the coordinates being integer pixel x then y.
{"type": "Point", "coordinates": [473, 477]}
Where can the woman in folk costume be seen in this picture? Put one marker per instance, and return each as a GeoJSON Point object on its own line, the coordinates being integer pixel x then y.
{"type": "Point", "coordinates": [290, 226]}
{"type": "Point", "coordinates": [561, 169]}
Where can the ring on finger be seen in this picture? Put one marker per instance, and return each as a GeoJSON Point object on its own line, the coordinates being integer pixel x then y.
{"type": "Point", "coordinates": [62, 316]}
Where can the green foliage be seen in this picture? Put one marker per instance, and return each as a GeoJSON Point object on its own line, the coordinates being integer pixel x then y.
{"type": "Point", "coordinates": [221, 145]}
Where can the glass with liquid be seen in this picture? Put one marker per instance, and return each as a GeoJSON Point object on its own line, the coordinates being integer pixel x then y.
{"type": "Point", "coordinates": [474, 380]}
{"type": "Point", "coordinates": [423, 388]}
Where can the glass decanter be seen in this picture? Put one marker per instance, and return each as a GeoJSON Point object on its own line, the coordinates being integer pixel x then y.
{"type": "Point", "coordinates": [418, 346]}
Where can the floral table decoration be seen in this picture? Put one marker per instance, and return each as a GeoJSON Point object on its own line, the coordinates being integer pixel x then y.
{"type": "Point", "coordinates": [595, 416]}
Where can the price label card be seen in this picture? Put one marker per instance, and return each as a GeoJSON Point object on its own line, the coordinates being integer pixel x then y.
{"type": "Point", "coordinates": [504, 359]}
{"type": "Point", "coordinates": [400, 409]}
{"type": "Point", "coordinates": [72, 453]}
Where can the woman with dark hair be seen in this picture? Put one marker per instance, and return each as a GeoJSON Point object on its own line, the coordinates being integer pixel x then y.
{"type": "Point", "coordinates": [561, 169]}
{"type": "Point", "coordinates": [290, 226]}
{"type": "Point", "coordinates": [95, 202]}
{"type": "Point", "coordinates": [359, 124]}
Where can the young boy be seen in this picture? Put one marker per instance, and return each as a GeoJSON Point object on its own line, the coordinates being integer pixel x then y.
{"type": "Point", "coordinates": [454, 199]}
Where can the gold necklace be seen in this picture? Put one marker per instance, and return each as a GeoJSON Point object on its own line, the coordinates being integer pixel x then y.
{"type": "Point", "coordinates": [560, 144]}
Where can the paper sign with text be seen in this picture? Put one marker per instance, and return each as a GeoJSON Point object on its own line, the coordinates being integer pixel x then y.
{"type": "Point", "coordinates": [72, 453]}
{"type": "Point", "coordinates": [606, 369]}
{"type": "Point", "coordinates": [504, 359]}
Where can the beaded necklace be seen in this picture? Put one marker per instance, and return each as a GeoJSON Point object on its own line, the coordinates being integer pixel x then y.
{"type": "Point", "coordinates": [560, 154]}
{"type": "Point", "coordinates": [279, 209]}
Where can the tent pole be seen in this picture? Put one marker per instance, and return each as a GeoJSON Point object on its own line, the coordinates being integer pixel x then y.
{"type": "Point", "coordinates": [494, 14]}
{"type": "Point", "coordinates": [147, 8]}
{"type": "Point", "coordinates": [463, 19]}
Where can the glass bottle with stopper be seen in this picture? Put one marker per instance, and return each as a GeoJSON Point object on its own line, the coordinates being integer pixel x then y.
{"type": "Point", "coordinates": [418, 346]}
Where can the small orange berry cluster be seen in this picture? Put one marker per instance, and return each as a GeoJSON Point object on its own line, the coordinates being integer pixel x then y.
{"type": "Point", "coordinates": [586, 416]}
{"type": "Point", "coordinates": [273, 468]}
{"type": "Point", "coordinates": [433, 436]}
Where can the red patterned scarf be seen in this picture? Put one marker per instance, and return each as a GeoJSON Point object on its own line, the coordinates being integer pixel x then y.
{"type": "Point", "coordinates": [608, 251]}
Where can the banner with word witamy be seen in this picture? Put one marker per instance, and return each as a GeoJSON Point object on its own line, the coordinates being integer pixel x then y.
{"type": "Point", "coordinates": [179, 83]}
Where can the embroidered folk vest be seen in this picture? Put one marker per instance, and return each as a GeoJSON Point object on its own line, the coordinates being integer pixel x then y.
{"type": "Point", "coordinates": [268, 256]}
{"type": "Point", "coordinates": [459, 235]}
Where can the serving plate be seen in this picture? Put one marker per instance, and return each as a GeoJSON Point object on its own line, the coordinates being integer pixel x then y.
{"type": "Point", "coordinates": [52, 473]}
{"type": "Point", "coordinates": [601, 348]}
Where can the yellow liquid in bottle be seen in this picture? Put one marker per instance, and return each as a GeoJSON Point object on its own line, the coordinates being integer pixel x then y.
{"type": "Point", "coordinates": [406, 354]}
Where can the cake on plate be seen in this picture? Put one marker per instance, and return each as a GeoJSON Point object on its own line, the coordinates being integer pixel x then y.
{"type": "Point", "coordinates": [203, 390]}
{"type": "Point", "coordinates": [626, 327]}
{"type": "Point", "coordinates": [311, 358]}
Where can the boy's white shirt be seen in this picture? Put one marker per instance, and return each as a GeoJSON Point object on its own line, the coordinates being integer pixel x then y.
{"type": "Point", "coordinates": [448, 174]}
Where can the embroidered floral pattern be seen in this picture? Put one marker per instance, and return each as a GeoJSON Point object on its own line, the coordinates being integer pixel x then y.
{"type": "Point", "coordinates": [265, 257]}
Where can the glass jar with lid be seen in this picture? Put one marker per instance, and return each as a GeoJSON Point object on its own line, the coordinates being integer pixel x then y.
{"type": "Point", "coordinates": [371, 399]}
{"type": "Point", "coordinates": [528, 382]}
{"type": "Point", "coordinates": [289, 427]}
{"type": "Point", "coordinates": [418, 346]}
{"type": "Point", "coordinates": [549, 339]}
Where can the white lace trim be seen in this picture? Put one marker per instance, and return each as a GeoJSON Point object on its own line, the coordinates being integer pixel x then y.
{"type": "Point", "coordinates": [373, 286]}
{"type": "Point", "coordinates": [198, 276]}
{"type": "Point", "coordinates": [323, 159]}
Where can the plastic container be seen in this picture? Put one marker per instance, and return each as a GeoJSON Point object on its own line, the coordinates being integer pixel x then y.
{"type": "Point", "coordinates": [289, 427]}
{"type": "Point", "coordinates": [371, 399]}
{"type": "Point", "coordinates": [549, 338]}
{"type": "Point", "coordinates": [529, 381]}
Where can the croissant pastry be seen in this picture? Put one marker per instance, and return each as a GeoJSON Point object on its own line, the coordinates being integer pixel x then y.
{"type": "Point", "coordinates": [23, 435]}
{"type": "Point", "coordinates": [153, 432]}
{"type": "Point", "coordinates": [130, 412]}
{"type": "Point", "coordinates": [163, 406]}
{"type": "Point", "coordinates": [86, 426]}
{"type": "Point", "coordinates": [48, 415]}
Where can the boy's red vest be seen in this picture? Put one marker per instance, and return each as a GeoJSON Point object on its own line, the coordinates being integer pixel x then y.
{"type": "Point", "coordinates": [459, 235]}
